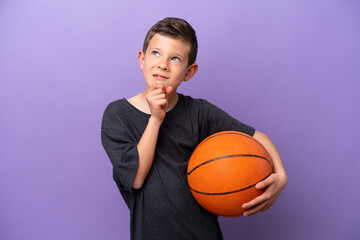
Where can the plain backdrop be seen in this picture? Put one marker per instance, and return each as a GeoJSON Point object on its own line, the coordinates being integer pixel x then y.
{"type": "Point", "coordinates": [288, 68]}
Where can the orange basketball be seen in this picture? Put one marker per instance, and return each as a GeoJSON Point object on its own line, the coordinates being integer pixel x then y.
{"type": "Point", "coordinates": [224, 169]}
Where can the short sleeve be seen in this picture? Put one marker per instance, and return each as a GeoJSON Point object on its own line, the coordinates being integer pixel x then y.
{"type": "Point", "coordinates": [121, 150]}
{"type": "Point", "coordinates": [216, 120]}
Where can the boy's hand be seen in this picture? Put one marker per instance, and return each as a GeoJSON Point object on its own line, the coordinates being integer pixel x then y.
{"type": "Point", "coordinates": [273, 186]}
{"type": "Point", "coordinates": [158, 98]}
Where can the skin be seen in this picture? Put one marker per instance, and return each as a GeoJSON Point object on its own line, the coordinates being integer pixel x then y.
{"type": "Point", "coordinates": [165, 67]}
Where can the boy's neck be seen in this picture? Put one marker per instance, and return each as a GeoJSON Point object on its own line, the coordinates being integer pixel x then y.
{"type": "Point", "coordinates": [139, 102]}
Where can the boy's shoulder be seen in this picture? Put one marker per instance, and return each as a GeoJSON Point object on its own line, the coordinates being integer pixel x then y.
{"type": "Point", "coordinates": [193, 100]}
{"type": "Point", "coordinates": [200, 104]}
{"type": "Point", "coordinates": [115, 106]}
{"type": "Point", "coordinates": [118, 110]}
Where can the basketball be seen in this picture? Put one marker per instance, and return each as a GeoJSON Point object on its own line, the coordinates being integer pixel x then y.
{"type": "Point", "coordinates": [223, 170]}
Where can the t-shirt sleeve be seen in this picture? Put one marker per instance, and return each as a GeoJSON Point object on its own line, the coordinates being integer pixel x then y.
{"type": "Point", "coordinates": [216, 120]}
{"type": "Point", "coordinates": [121, 149]}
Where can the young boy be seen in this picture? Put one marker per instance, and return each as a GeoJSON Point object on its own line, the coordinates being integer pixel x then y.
{"type": "Point", "coordinates": [149, 139]}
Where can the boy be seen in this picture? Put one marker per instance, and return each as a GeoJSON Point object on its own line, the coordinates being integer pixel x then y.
{"type": "Point", "coordinates": [149, 139]}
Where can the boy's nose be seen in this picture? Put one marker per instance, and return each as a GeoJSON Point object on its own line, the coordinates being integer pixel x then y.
{"type": "Point", "coordinates": [163, 65]}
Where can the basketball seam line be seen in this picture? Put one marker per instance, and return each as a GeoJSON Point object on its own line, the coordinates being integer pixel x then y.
{"type": "Point", "coordinates": [235, 191]}
{"type": "Point", "coordinates": [228, 156]}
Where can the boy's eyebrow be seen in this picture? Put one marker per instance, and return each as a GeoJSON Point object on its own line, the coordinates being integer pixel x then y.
{"type": "Point", "coordinates": [154, 48]}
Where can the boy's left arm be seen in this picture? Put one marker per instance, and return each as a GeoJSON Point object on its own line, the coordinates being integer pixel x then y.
{"type": "Point", "coordinates": [273, 185]}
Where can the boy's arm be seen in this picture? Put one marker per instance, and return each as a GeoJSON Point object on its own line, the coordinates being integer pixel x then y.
{"type": "Point", "coordinates": [146, 149]}
{"type": "Point", "coordinates": [273, 185]}
{"type": "Point", "coordinates": [157, 98]}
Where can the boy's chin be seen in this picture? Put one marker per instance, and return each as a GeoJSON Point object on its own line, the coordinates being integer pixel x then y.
{"type": "Point", "coordinates": [163, 83]}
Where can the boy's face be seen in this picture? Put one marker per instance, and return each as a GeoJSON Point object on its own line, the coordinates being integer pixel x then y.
{"type": "Point", "coordinates": [166, 62]}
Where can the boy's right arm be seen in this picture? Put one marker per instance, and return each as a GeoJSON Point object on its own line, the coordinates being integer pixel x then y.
{"type": "Point", "coordinates": [157, 98]}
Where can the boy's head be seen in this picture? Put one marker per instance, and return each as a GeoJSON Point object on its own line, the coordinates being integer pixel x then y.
{"type": "Point", "coordinates": [176, 28]}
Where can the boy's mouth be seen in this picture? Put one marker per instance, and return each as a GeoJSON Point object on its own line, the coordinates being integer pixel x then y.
{"type": "Point", "coordinates": [159, 77]}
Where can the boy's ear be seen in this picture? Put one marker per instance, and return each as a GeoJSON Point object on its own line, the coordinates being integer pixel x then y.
{"type": "Point", "coordinates": [141, 57]}
{"type": "Point", "coordinates": [192, 69]}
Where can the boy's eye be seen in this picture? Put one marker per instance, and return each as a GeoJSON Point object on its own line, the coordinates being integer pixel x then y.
{"type": "Point", "coordinates": [155, 53]}
{"type": "Point", "coordinates": [176, 58]}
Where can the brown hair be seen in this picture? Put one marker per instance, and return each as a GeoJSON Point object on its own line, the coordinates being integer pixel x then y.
{"type": "Point", "coordinates": [176, 28]}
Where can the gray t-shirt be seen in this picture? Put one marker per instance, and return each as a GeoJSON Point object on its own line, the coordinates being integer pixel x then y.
{"type": "Point", "coordinates": [163, 208]}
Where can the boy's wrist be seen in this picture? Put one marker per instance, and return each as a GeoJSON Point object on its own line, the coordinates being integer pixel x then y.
{"type": "Point", "coordinates": [155, 121]}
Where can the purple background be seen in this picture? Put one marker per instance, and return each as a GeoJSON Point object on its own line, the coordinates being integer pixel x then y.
{"type": "Point", "coordinates": [289, 68]}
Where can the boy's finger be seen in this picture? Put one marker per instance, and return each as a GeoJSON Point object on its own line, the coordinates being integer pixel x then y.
{"type": "Point", "coordinates": [267, 207]}
{"type": "Point", "coordinates": [169, 90]}
{"type": "Point", "coordinates": [160, 103]}
{"type": "Point", "coordinates": [157, 96]}
{"type": "Point", "coordinates": [159, 85]}
{"type": "Point", "coordinates": [254, 202]}
{"type": "Point", "coordinates": [256, 209]}
{"type": "Point", "coordinates": [156, 91]}
{"type": "Point", "coordinates": [264, 184]}
{"type": "Point", "coordinates": [156, 86]}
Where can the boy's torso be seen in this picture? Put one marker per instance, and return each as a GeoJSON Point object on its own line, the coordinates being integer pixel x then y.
{"type": "Point", "coordinates": [164, 206]}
